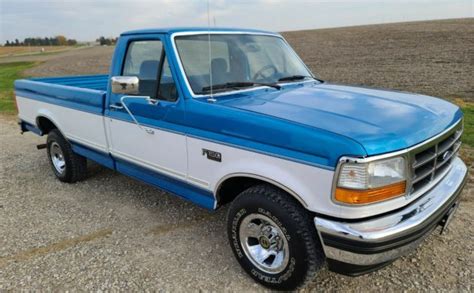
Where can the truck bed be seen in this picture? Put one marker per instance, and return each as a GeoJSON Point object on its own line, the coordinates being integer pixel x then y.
{"type": "Point", "coordinates": [74, 104]}
{"type": "Point", "coordinates": [87, 92]}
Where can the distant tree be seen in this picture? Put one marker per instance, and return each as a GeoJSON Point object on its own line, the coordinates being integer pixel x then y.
{"type": "Point", "coordinates": [17, 43]}
{"type": "Point", "coordinates": [7, 44]}
{"type": "Point", "coordinates": [71, 42]}
{"type": "Point", "coordinates": [62, 41]}
{"type": "Point", "coordinates": [106, 41]}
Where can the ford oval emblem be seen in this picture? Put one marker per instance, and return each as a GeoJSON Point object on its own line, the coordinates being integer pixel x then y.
{"type": "Point", "coordinates": [446, 155]}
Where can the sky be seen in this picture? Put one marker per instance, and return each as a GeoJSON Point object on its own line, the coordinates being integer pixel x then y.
{"type": "Point", "coordinates": [86, 20]}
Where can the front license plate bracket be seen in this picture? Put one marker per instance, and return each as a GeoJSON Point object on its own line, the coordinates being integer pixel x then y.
{"type": "Point", "coordinates": [444, 223]}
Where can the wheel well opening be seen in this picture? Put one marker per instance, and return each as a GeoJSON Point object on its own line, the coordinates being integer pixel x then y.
{"type": "Point", "coordinates": [45, 125]}
{"type": "Point", "coordinates": [230, 188]}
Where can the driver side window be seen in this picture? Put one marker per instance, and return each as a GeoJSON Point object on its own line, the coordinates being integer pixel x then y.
{"type": "Point", "coordinates": [144, 59]}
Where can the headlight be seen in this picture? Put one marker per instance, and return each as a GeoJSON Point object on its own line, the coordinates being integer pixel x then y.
{"type": "Point", "coordinates": [362, 183]}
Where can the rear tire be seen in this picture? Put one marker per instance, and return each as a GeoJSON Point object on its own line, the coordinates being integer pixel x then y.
{"type": "Point", "coordinates": [273, 238]}
{"type": "Point", "coordinates": [67, 166]}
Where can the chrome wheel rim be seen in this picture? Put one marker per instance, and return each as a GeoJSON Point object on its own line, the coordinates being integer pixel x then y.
{"type": "Point", "coordinates": [57, 158]}
{"type": "Point", "coordinates": [264, 243]}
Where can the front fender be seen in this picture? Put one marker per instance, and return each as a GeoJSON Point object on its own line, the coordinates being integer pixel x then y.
{"type": "Point", "coordinates": [309, 184]}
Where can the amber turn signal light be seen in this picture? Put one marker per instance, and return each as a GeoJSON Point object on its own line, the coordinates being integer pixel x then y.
{"type": "Point", "coordinates": [354, 196]}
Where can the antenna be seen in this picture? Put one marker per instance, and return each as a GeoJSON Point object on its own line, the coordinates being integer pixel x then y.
{"type": "Point", "coordinates": [211, 99]}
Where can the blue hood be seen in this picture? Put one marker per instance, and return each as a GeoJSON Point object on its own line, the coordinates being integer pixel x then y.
{"type": "Point", "coordinates": [381, 121]}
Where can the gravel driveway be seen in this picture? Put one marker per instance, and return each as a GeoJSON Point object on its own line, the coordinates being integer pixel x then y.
{"type": "Point", "coordinates": [111, 232]}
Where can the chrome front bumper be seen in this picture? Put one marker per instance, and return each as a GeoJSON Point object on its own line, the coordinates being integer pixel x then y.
{"type": "Point", "coordinates": [358, 247]}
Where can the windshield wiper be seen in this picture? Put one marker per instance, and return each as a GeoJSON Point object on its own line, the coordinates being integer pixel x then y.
{"type": "Point", "coordinates": [294, 77]}
{"type": "Point", "coordinates": [238, 84]}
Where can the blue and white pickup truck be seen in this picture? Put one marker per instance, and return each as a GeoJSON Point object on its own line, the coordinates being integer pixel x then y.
{"type": "Point", "coordinates": [315, 173]}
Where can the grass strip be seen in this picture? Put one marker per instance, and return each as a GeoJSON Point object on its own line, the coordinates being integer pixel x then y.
{"type": "Point", "coordinates": [8, 73]}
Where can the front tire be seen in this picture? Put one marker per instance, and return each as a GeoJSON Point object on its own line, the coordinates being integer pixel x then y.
{"type": "Point", "coordinates": [67, 166]}
{"type": "Point", "coordinates": [273, 238]}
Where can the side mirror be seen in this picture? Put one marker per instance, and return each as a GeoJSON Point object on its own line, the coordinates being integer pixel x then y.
{"type": "Point", "coordinates": [127, 85]}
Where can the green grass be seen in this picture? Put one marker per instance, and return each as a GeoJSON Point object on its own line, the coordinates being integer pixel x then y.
{"type": "Point", "coordinates": [468, 136]}
{"type": "Point", "coordinates": [8, 73]}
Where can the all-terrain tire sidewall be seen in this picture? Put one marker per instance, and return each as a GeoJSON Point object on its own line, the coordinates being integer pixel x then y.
{"type": "Point", "coordinates": [76, 165]}
{"type": "Point", "coordinates": [299, 265]}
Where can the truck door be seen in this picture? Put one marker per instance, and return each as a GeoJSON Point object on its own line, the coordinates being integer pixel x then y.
{"type": "Point", "coordinates": [155, 144]}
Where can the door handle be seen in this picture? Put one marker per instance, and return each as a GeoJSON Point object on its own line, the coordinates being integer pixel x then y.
{"type": "Point", "coordinates": [116, 107]}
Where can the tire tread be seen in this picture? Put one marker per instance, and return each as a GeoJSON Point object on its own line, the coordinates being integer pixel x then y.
{"type": "Point", "coordinates": [76, 165]}
{"type": "Point", "coordinates": [307, 231]}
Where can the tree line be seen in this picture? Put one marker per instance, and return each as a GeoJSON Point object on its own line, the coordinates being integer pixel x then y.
{"type": "Point", "coordinates": [106, 41]}
{"type": "Point", "coordinates": [53, 41]}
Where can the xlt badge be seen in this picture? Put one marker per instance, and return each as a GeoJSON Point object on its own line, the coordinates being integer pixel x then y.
{"type": "Point", "coordinates": [212, 155]}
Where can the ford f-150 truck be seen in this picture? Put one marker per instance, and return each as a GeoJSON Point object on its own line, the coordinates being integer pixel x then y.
{"type": "Point", "coordinates": [314, 173]}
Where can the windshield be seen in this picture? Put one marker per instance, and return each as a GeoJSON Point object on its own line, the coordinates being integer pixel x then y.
{"type": "Point", "coordinates": [237, 60]}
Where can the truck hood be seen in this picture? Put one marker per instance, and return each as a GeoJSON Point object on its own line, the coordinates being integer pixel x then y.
{"type": "Point", "coordinates": [381, 121]}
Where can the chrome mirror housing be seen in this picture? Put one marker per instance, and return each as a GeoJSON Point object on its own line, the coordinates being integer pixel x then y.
{"type": "Point", "coordinates": [127, 85]}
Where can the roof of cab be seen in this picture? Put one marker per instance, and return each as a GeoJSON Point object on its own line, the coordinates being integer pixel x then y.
{"type": "Point", "coordinates": [172, 30]}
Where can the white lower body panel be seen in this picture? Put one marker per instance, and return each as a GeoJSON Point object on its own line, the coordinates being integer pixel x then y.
{"type": "Point", "coordinates": [79, 126]}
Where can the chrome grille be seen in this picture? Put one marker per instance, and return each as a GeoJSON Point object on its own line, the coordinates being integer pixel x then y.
{"type": "Point", "coordinates": [430, 161]}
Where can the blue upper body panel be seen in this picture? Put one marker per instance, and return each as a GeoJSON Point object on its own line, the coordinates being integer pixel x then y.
{"type": "Point", "coordinates": [309, 122]}
{"type": "Point", "coordinates": [381, 121]}
{"type": "Point", "coordinates": [85, 92]}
